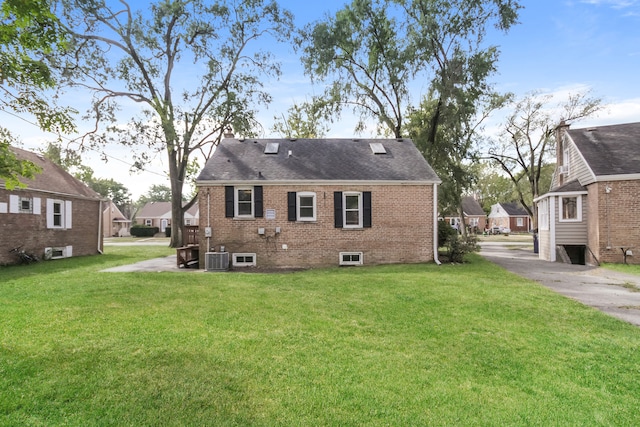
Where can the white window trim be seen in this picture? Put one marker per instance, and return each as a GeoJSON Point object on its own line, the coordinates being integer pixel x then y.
{"type": "Point", "coordinates": [298, 205]}
{"type": "Point", "coordinates": [543, 214]}
{"type": "Point", "coordinates": [344, 209]}
{"type": "Point", "coordinates": [65, 214]}
{"type": "Point", "coordinates": [65, 251]}
{"type": "Point", "coordinates": [519, 222]}
{"type": "Point", "coordinates": [578, 208]}
{"type": "Point", "coordinates": [359, 262]}
{"type": "Point", "coordinates": [236, 202]}
{"type": "Point", "coordinates": [237, 263]}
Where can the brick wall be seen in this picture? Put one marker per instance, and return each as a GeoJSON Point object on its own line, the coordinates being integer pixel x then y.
{"type": "Point", "coordinates": [616, 224]}
{"type": "Point", "coordinates": [401, 232]}
{"type": "Point", "coordinates": [30, 230]}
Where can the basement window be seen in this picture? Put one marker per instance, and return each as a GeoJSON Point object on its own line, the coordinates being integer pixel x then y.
{"type": "Point", "coordinates": [244, 260]}
{"type": "Point", "coordinates": [350, 258]}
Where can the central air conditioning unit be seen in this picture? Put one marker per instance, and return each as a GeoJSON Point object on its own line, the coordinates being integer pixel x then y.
{"type": "Point", "coordinates": [216, 261]}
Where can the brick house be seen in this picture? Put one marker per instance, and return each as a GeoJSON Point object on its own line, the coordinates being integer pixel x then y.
{"type": "Point", "coordinates": [158, 214]}
{"type": "Point", "coordinates": [53, 216]}
{"type": "Point", "coordinates": [475, 217]}
{"type": "Point", "coordinates": [318, 202]}
{"type": "Point", "coordinates": [590, 215]}
{"type": "Point", "coordinates": [509, 215]}
{"type": "Point", "coordinates": [114, 223]}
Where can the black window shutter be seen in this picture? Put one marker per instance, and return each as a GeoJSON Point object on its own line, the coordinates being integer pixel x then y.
{"type": "Point", "coordinates": [228, 201]}
{"type": "Point", "coordinates": [366, 209]}
{"type": "Point", "coordinates": [291, 205]}
{"type": "Point", "coordinates": [337, 208]}
{"type": "Point", "coordinates": [257, 204]}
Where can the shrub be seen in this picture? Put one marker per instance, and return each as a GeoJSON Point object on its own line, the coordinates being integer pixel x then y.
{"type": "Point", "coordinates": [444, 231]}
{"type": "Point", "coordinates": [139, 230]}
{"type": "Point", "coordinates": [458, 246]}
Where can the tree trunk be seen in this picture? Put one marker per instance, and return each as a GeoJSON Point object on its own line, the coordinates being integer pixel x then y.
{"type": "Point", "coordinates": [463, 224]}
{"type": "Point", "coordinates": [177, 211]}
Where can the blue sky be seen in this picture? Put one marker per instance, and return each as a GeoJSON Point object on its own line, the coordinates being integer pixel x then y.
{"type": "Point", "coordinates": [559, 47]}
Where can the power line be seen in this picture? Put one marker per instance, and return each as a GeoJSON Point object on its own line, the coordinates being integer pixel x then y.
{"type": "Point", "coordinates": [86, 148]}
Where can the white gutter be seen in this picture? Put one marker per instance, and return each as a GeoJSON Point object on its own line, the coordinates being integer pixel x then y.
{"type": "Point", "coordinates": [435, 224]}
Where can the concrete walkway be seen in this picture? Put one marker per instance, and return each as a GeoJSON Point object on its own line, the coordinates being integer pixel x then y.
{"type": "Point", "coordinates": [616, 294]}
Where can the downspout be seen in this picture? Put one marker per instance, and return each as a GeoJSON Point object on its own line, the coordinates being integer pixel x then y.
{"type": "Point", "coordinates": [209, 219]}
{"type": "Point", "coordinates": [100, 227]}
{"type": "Point", "coordinates": [435, 224]}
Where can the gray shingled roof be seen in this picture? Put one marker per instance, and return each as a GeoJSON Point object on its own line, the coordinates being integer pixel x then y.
{"type": "Point", "coordinates": [569, 187]}
{"type": "Point", "coordinates": [317, 160]}
{"type": "Point", "coordinates": [610, 150]}
{"type": "Point", "coordinates": [514, 209]}
{"type": "Point", "coordinates": [470, 206]}
{"type": "Point", "coordinates": [160, 209]}
{"type": "Point", "coordinates": [53, 178]}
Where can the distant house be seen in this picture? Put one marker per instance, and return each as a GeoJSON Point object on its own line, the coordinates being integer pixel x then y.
{"type": "Point", "coordinates": [158, 214]}
{"type": "Point", "coordinates": [475, 217]}
{"type": "Point", "coordinates": [318, 202]}
{"type": "Point", "coordinates": [590, 215]}
{"type": "Point", "coordinates": [510, 215]}
{"type": "Point", "coordinates": [54, 216]}
{"type": "Point", "coordinates": [114, 223]}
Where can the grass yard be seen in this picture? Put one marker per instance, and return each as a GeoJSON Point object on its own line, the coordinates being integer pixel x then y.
{"type": "Point", "coordinates": [624, 268]}
{"type": "Point", "coordinates": [388, 345]}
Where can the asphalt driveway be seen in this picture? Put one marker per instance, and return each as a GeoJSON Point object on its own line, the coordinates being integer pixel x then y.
{"type": "Point", "coordinates": [616, 294]}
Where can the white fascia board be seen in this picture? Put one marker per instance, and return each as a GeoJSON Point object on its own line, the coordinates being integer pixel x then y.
{"type": "Point", "coordinates": [623, 177]}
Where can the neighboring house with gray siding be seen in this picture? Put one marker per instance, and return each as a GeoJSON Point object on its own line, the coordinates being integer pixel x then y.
{"type": "Point", "coordinates": [590, 214]}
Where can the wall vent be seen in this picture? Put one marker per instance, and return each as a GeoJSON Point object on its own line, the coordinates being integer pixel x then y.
{"type": "Point", "coordinates": [216, 261]}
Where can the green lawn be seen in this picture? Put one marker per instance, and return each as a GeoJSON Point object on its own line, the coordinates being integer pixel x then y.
{"type": "Point", "coordinates": [624, 268]}
{"type": "Point", "coordinates": [389, 345]}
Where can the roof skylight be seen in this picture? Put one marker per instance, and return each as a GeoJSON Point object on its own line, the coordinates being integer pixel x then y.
{"type": "Point", "coordinates": [272, 148]}
{"type": "Point", "coordinates": [377, 148]}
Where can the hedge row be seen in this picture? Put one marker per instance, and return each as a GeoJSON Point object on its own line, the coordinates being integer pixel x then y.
{"type": "Point", "coordinates": [139, 230]}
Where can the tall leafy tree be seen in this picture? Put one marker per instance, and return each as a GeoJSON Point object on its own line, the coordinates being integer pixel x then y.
{"type": "Point", "coordinates": [364, 55]}
{"type": "Point", "coordinates": [156, 193]}
{"type": "Point", "coordinates": [371, 52]}
{"type": "Point", "coordinates": [192, 66]}
{"type": "Point", "coordinates": [527, 143]}
{"type": "Point", "coordinates": [457, 139]}
{"type": "Point", "coordinates": [307, 120]}
{"type": "Point", "coordinates": [29, 31]}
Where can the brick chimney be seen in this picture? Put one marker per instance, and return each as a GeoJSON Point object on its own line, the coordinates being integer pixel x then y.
{"type": "Point", "coordinates": [228, 132]}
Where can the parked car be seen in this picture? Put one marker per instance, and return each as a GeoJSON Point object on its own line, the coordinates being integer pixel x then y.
{"type": "Point", "coordinates": [500, 230]}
